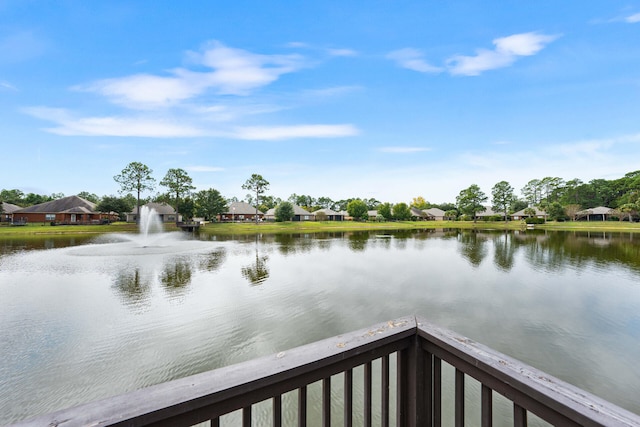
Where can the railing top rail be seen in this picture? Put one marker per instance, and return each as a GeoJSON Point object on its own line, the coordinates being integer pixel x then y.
{"type": "Point", "coordinates": [557, 395]}
{"type": "Point", "coordinates": [174, 398]}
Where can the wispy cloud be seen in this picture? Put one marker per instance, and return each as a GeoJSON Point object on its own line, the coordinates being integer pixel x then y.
{"type": "Point", "coordinates": [342, 52]}
{"type": "Point", "coordinates": [413, 59]}
{"type": "Point", "coordinates": [153, 127]}
{"type": "Point", "coordinates": [69, 125]}
{"type": "Point", "coordinates": [4, 85]}
{"type": "Point", "coordinates": [270, 133]}
{"type": "Point", "coordinates": [232, 72]}
{"type": "Point", "coordinates": [189, 102]}
{"type": "Point", "coordinates": [633, 19]}
{"type": "Point", "coordinates": [507, 51]}
{"type": "Point", "coordinates": [403, 150]}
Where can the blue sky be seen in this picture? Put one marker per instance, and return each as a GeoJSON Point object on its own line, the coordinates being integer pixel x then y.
{"type": "Point", "coordinates": [382, 99]}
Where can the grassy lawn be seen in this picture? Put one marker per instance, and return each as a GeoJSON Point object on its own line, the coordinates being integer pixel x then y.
{"type": "Point", "coordinates": [315, 227]}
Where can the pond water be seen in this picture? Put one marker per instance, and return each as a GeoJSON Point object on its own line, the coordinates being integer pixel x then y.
{"type": "Point", "coordinates": [83, 319]}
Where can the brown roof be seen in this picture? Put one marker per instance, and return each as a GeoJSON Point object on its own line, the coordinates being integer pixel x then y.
{"type": "Point", "coordinates": [65, 204]}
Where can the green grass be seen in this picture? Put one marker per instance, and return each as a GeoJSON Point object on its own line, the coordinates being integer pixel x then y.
{"type": "Point", "coordinates": [315, 227]}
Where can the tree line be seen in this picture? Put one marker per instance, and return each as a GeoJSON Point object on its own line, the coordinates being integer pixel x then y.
{"type": "Point", "coordinates": [560, 199]}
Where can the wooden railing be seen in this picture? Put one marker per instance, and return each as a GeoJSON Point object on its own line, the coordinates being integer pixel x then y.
{"type": "Point", "coordinates": [419, 374]}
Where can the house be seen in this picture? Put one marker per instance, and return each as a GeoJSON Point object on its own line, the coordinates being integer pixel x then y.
{"type": "Point", "coordinates": [7, 211]}
{"type": "Point", "coordinates": [435, 214]}
{"type": "Point", "coordinates": [373, 215]}
{"type": "Point", "coordinates": [329, 214]}
{"type": "Point", "coordinates": [67, 210]}
{"type": "Point", "coordinates": [241, 211]}
{"type": "Point", "coordinates": [299, 214]}
{"type": "Point", "coordinates": [417, 214]}
{"type": "Point", "coordinates": [599, 213]}
{"type": "Point", "coordinates": [522, 215]}
{"type": "Point", "coordinates": [164, 211]}
{"type": "Point", "coordinates": [488, 211]}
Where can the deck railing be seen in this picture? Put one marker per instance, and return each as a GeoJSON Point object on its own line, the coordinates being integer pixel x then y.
{"type": "Point", "coordinates": [419, 374]}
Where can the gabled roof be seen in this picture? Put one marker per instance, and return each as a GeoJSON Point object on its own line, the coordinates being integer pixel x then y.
{"type": "Point", "coordinates": [327, 212]}
{"type": "Point", "coordinates": [488, 211]}
{"type": "Point", "coordinates": [241, 208]}
{"type": "Point", "coordinates": [60, 205]}
{"type": "Point", "coordinates": [539, 212]}
{"type": "Point", "coordinates": [8, 208]}
{"type": "Point", "coordinates": [434, 212]}
{"type": "Point", "coordinates": [600, 210]}
{"type": "Point", "coordinates": [297, 210]}
{"type": "Point", "coordinates": [418, 213]}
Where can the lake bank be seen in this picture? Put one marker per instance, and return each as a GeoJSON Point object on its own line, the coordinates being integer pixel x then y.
{"type": "Point", "coordinates": [237, 228]}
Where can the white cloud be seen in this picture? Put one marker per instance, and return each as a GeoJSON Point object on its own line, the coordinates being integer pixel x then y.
{"type": "Point", "coordinates": [412, 59]}
{"type": "Point", "coordinates": [507, 50]}
{"type": "Point", "coordinates": [233, 72]}
{"type": "Point", "coordinates": [69, 125]}
{"type": "Point", "coordinates": [633, 19]}
{"type": "Point", "coordinates": [154, 127]}
{"type": "Point", "coordinates": [295, 131]}
{"type": "Point", "coordinates": [342, 52]}
{"type": "Point", "coordinates": [403, 150]}
{"type": "Point", "coordinates": [4, 85]}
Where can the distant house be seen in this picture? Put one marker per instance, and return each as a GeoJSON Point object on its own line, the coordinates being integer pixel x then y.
{"type": "Point", "coordinates": [522, 215]}
{"type": "Point", "coordinates": [7, 211]}
{"type": "Point", "coordinates": [240, 211]}
{"type": "Point", "coordinates": [299, 214]}
{"type": "Point", "coordinates": [599, 213]}
{"type": "Point", "coordinates": [329, 214]}
{"type": "Point", "coordinates": [417, 214]}
{"type": "Point", "coordinates": [435, 214]}
{"type": "Point", "coordinates": [373, 215]}
{"type": "Point", "coordinates": [67, 210]}
{"type": "Point", "coordinates": [488, 211]}
{"type": "Point", "coordinates": [164, 211]}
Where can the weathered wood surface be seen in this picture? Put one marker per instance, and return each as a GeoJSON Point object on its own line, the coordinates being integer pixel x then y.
{"type": "Point", "coordinates": [420, 348]}
{"type": "Point", "coordinates": [207, 395]}
{"type": "Point", "coordinates": [550, 398]}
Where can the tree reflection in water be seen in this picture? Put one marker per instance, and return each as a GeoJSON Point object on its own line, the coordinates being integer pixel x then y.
{"type": "Point", "coordinates": [472, 247]}
{"type": "Point", "coordinates": [504, 251]}
{"type": "Point", "coordinates": [257, 272]}
{"type": "Point", "coordinates": [134, 291]}
{"type": "Point", "coordinates": [176, 276]}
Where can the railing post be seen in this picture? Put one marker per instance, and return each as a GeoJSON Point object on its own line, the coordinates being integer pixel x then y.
{"type": "Point", "coordinates": [412, 405]}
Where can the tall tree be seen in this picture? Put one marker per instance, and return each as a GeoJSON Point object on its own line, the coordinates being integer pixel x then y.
{"type": "Point", "coordinates": [532, 192]}
{"type": "Point", "coordinates": [357, 209]}
{"type": "Point", "coordinates": [384, 210]}
{"type": "Point", "coordinates": [284, 212]}
{"type": "Point", "coordinates": [258, 185]}
{"type": "Point", "coordinates": [401, 211]}
{"type": "Point", "coordinates": [209, 203]}
{"type": "Point", "coordinates": [420, 203]}
{"type": "Point", "coordinates": [136, 177]}
{"type": "Point", "coordinates": [120, 205]}
{"type": "Point", "coordinates": [179, 184]}
{"type": "Point", "coordinates": [15, 197]}
{"type": "Point", "coordinates": [470, 201]}
{"type": "Point", "coordinates": [89, 196]}
{"type": "Point", "coordinates": [503, 198]}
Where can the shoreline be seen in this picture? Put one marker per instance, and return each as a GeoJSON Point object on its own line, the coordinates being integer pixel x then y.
{"type": "Point", "coordinates": [40, 230]}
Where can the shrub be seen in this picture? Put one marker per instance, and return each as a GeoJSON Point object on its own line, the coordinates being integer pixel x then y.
{"type": "Point", "coordinates": [534, 220]}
